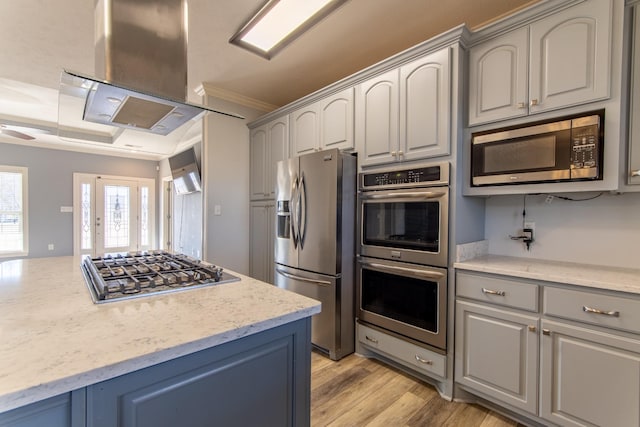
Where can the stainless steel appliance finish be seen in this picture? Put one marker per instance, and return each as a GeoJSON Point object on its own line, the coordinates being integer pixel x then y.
{"type": "Point", "coordinates": [407, 299]}
{"type": "Point", "coordinates": [567, 149]}
{"type": "Point", "coordinates": [403, 241]}
{"type": "Point", "coordinates": [315, 242]}
{"type": "Point", "coordinates": [404, 214]}
{"type": "Point", "coordinates": [120, 276]}
{"type": "Point", "coordinates": [141, 69]}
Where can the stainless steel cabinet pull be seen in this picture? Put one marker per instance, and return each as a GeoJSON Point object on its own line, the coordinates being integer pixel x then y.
{"type": "Point", "coordinates": [532, 328]}
{"type": "Point", "coordinates": [635, 173]}
{"type": "Point", "coordinates": [424, 361]}
{"type": "Point", "coordinates": [492, 292]}
{"type": "Point", "coordinates": [597, 311]}
{"type": "Point", "coordinates": [373, 340]}
{"type": "Point", "coordinates": [522, 105]}
{"type": "Point", "coordinates": [393, 153]}
{"type": "Point", "coordinates": [546, 332]}
{"type": "Point", "coordinates": [400, 153]}
{"type": "Point", "coordinates": [533, 102]}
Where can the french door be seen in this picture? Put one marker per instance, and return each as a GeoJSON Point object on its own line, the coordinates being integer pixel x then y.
{"type": "Point", "coordinates": [116, 220]}
{"type": "Point", "coordinates": [113, 214]}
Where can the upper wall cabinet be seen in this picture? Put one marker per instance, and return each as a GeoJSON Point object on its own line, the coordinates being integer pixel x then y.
{"type": "Point", "coordinates": [325, 124]}
{"type": "Point", "coordinates": [559, 61]}
{"type": "Point", "coordinates": [269, 145]}
{"type": "Point", "coordinates": [633, 168]}
{"type": "Point", "coordinates": [404, 114]}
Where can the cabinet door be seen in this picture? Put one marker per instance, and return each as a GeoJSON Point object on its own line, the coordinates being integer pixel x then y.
{"type": "Point", "coordinates": [589, 377]}
{"type": "Point", "coordinates": [425, 99]}
{"type": "Point", "coordinates": [497, 354]}
{"type": "Point", "coordinates": [336, 121]}
{"type": "Point", "coordinates": [304, 130]}
{"type": "Point", "coordinates": [377, 119]}
{"type": "Point", "coordinates": [570, 57]}
{"type": "Point", "coordinates": [277, 150]}
{"type": "Point", "coordinates": [262, 241]}
{"type": "Point", "coordinates": [634, 117]}
{"type": "Point", "coordinates": [258, 155]}
{"type": "Point", "coordinates": [498, 78]}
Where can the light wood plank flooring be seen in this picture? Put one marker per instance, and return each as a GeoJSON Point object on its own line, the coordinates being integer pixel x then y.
{"type": "Point", "coordinates": [357, 391]}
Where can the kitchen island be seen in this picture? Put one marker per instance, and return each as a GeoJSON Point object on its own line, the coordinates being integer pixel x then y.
{"type": "Point", "coordinates": [149, 357]}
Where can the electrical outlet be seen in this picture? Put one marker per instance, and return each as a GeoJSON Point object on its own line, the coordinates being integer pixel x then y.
{"type": "Point", "coordinates": [530, 225]}
{"type": "Point", "coordinates": [51, 247]}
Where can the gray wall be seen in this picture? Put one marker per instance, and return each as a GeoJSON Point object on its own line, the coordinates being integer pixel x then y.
{"type": "Point", "coordinates": [50, 178]}
{"type": "Point", "coordinates": [603, 231]}
{"type": "Point", "coordinates": [226, 180]}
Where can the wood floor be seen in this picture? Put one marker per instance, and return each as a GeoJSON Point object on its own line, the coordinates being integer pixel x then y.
{"type": "Point", "coordinates": [357, 391]}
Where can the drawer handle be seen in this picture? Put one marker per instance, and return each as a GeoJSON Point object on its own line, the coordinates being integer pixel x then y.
{"type": "Point", "coordinates": [492, 292]}
{"type": "Point", "coordinates": [424, 361]}
{"type": "Point", "coordinates": [604, 312]}
{"type": "Point", "coordinates": [373, 340]}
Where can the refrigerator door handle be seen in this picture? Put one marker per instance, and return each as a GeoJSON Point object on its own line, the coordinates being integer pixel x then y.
{"type": "Point", "coordinates": [302, 200]}
{"type": "Point", "coordinates": [303, 279]}
{"type": "Point", "coordinates": [293, 210]}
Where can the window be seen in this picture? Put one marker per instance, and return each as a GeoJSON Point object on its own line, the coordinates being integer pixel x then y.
{"type": "Point", "coordinates": [13, 211]}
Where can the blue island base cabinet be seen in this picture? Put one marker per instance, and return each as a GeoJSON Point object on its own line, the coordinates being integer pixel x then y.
{"type": "Point", "coordinates": [259, 380]}
{"type": "Point", "coordinates": [263, 379]}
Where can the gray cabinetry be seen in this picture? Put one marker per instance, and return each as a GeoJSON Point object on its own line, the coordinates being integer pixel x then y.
{"type": "Point", "coordinates": [325, 124]}
{"type": "Point", "coordinates": [580, 354]}
{"type": "Point", "coordinates": [558, 61]}
{"type": "Point", "coordinates": [496, 344]}
{"type": "Point", "coordinates": [65, 410]}
{"type": "Point", "coordinates": [269, 144]}
{"type": "Point", "coordinates": [405, 114]}
{"type": "Point", "coordinates": [262, 218]}
{"type": "Point", "coordinates": [262, 379]}
{"type": "Point", "coordinates": [589, 377]}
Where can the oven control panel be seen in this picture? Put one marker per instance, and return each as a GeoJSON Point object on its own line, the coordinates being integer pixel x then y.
{"type": "Point", "coordinates": [414, 177]}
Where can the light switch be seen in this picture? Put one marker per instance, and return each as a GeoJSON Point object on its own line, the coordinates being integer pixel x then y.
{"type": "Point", "coordinates": [50, 246]}
{"type": "Point", "coordinates": [217, 210]}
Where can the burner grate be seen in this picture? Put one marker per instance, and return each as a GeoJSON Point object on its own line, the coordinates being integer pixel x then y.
{"type": "Point", "coordinates": [118, 276]}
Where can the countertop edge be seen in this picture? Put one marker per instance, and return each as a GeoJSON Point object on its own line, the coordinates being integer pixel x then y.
{"type": "Point", "coordinates": [588, 276]}
{"type": "Point", "coordinates": [44, 391]}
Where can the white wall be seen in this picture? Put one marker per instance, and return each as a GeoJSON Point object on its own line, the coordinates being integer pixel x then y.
{"type": "Point", "coordinates": [603, 231]}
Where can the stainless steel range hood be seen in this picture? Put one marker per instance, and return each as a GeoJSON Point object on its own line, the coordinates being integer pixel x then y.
{"type": "Point", "coordinates": [141, 67]}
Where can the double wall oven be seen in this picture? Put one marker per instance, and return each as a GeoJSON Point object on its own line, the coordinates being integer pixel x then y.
{"type": "Point", "coordinates": [403, 252]}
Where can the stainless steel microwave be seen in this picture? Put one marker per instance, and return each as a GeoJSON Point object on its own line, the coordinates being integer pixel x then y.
{"type": "Point", "coordinates": [566, 149]}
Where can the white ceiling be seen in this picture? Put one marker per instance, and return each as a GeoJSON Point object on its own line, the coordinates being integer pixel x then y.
{"type": "Point", "coordinates": [39, 38]}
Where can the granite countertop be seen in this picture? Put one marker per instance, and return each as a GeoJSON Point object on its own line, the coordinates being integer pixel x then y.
{"type": "Point", "coordinates": [592, 276]}
{"type": "Point", "coordinates": [54, 339]}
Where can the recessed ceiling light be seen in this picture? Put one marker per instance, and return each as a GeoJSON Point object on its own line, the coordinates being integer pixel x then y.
{"type": "Point", "coordinates": [279, 22]}
{"type": "Point", "coordinates": [114, 100]}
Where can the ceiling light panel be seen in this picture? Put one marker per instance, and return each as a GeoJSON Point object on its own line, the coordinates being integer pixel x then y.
{"type": "Point", "coordinates": [279, 22]}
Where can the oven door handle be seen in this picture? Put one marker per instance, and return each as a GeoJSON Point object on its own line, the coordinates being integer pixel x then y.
{"type": "Point", "coordinates": [303, 279]}
{"type": "Point", "coordinates": [405, 195]}
{"type": "Point", "coordinates": [392, 268]}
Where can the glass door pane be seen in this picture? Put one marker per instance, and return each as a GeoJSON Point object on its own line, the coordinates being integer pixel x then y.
{"type": "Point", "coordinates": [116, 216]}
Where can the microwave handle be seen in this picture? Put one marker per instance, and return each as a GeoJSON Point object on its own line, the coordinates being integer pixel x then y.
{"type": "Point", "coordinates": [392, 268]}
{"type": "Point", "coordinates": [412, 195]}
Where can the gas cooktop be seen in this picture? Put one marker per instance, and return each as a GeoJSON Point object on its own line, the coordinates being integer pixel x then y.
{"type": "Point", "coordinates": [129, 275]}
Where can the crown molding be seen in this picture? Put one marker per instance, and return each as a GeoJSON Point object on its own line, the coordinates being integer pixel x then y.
{"type": "Point", "coordinates": [209, 89]}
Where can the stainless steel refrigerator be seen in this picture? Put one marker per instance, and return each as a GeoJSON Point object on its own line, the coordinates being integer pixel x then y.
{"type": "Point", "coordinates": [315, 242]}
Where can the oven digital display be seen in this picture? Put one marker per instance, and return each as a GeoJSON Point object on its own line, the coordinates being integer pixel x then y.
{"type": "Point", "coordinates": [407, 176]}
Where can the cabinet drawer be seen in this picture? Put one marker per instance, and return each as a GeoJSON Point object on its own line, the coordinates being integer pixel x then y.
{"type": "Point", "coordinates": [413, 356]}
{"type": "Point", "coordinates": [599, 309]}
{"type": "Point", "coordinates": [509, 292]}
